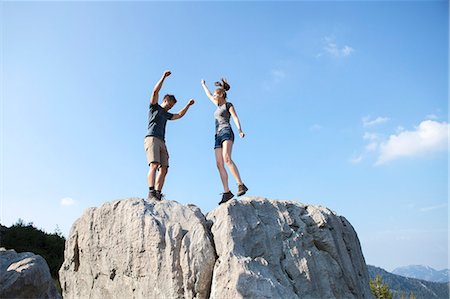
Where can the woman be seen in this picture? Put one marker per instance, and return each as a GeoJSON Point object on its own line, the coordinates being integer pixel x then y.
{"type": "Point", "coordinates": [224, 137]}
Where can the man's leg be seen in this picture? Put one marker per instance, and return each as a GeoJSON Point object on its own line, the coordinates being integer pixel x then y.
{"type": "Point", "coordinates": [152, 174]}
{"type": "Point", "coordinates": [163, 168]}
{"type": "Point", "coordinates": [161, 178]}
{"type": "Point", "coordinates": [152, 151]}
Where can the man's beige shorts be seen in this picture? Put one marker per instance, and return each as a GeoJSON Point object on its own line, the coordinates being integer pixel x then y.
{"type": "Point", "coordinates": [156, 151]}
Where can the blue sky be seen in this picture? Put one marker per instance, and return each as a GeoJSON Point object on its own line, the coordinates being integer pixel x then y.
{"type": "Point", "coordinates": [344, 105]}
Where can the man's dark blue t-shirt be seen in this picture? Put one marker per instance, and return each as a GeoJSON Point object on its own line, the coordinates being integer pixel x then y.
{"type": "Point", "coordinates": [157, 119]}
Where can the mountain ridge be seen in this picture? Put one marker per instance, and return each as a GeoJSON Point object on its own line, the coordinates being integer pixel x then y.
{"type": "Point", "coordinates": [404, 286]}
{"type": "Point", "coordinates": [423, 272]}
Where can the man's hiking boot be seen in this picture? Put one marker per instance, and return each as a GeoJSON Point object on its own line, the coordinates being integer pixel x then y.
{"type": "Point", "coordinates": [242, 189]}
{"type": "Point", "coordinates": [159, 195]}
{"type": "Point", "coordinates": [153, 195]}
{"type": "Point", "coordinates": [226, 197]}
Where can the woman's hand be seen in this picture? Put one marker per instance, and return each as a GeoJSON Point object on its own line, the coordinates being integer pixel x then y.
{"type": "Point", "coordinates": [203, 82]}
{"type": "Point", "coordinates": [241, 134]}
{"type": "Point", "coordinates": [167, 73]}
{"type": "Point", "coordinates": [191, 102]}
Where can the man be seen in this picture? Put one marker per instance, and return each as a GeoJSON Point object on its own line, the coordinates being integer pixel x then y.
{"type": "Point", "coordinates": [154, 143]}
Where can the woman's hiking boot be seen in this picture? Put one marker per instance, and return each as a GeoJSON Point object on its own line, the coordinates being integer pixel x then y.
{"type": "Point", "coordinates": [226, 197]}
{"type": "Point", "coordinates": [242, 189]}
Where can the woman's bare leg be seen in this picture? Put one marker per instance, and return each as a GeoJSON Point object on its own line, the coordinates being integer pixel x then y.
{"type": "Point", "coordinates": [222, 171]}
{"type": "Point", "coordinates": [227, 147]}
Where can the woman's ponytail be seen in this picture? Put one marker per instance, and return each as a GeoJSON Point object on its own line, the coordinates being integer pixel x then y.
{"type": "Point", "coordinates": [224, 84]}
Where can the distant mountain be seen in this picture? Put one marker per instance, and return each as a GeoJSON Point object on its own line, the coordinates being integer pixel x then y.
{"type": "Point", "coordinates": [423, 272]}
{"type": "Point", "coordinates": [403, 286]}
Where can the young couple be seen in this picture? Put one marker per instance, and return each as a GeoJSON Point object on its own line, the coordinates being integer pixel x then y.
{"type": "Point", "coordinates": [156, 150]}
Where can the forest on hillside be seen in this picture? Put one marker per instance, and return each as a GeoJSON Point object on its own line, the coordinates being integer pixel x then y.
{"type": "Point", "coordinates": [24, 237]}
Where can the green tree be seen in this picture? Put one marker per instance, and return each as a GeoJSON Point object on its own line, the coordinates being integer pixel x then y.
{"type": "Point", "coordinates": [25, 237]}
{"type": "Point", "coordinates": [379, 289]}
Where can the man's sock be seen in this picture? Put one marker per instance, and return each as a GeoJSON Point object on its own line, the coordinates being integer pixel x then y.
{"type": "Point", "coordinates": [151, 192]}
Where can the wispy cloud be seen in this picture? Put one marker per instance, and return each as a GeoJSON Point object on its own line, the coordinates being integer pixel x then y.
{"type": "Point", "coordinates": [67, 201]}
{"type": "Point", "coordinates": [315, 128]}
{"type": "Point", "coordinates": [278, 75]}
{"type": "Point", "coordinates": [432, 117]}
{"type": "Point", "coordinates": [371, 136]}
{"type": "Point", "coordinates": [332, 48]}
{"type": "Point", "coordinates": [368, 122]}
{"type": "Point", "coordinates": [435, 207]}
{"type": "Point", "coordinates": [357, 159]}
{"type": "Point", "coordinates": [373, 146]}
{"type": "Point", "coordinates": [274, 77]}
{"type": "Point", "coordinates": [335, 51]}
{"type": "Point", "coordinates": [429, 137]}
{"type": "Point", "coordinates": [399, 129]}
{"type": "Point", "coordinates": [373, 143]}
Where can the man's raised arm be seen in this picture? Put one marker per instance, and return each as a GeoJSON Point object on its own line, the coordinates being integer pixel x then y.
{"type": "Point", "coordinates": [157, 88]}
{"type": "Point", "coordinates": [183, 111]}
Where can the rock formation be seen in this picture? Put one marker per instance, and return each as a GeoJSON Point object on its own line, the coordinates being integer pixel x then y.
{"type": "Point", "coordinates": [284, 249]}
{"type": "Point", "coordinates": [25, 275]}
{"type": "Point", "coordinates": [247, 248]}
{"type": "Point", "coordinates": [135, 249]}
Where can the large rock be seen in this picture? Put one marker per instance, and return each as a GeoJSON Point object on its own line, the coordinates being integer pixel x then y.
{"type": "Point", "coordinates": [284, 249]}
{"type": "Point", "coordinates": [247, 248]}
{"type": "Point", "coordinates": [25, 275]}
{"type": "Point", "coordinates": [135, 249]}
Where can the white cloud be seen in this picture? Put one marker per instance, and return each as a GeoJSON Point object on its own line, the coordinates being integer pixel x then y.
{"type": "Point", "coordinates": [432, 117]}
{"type": "Point", "coordinates": [429, 137]}
{"type": "Point", "coordinates": [370, 136]}
{"type": "Point", "coordinates": [346, 51]}
{"type": "Point", "coordinates": [278, 75]}
{"type": "Point", "coordinates": [436, 207]}
{"type": "Point", "coordinates": [332, 48]}
{"type": "Point", "coordinates": [357, 160]}
{"type": "Point", "coordinates": [368, 122]}
{"type": "Point", "coordinates": [335, 51]}
{"type": "Point", "coordinates": [373, 146]}
{"type": "Point", "coordinates": [67, 201]}
{"type": "Point", "coordinates": [399, 129]}
{"type": "Point", "coordinates": [315, 127]}
{"type": "Point", "coordinates": [274, 77]}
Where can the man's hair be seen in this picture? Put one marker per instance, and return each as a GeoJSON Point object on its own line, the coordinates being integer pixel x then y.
{"type": "Point", "coordinates": [170, 97]}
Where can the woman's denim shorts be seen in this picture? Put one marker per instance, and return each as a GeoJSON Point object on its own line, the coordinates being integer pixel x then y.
{"type": "Point", "coordinates": [224, 134]}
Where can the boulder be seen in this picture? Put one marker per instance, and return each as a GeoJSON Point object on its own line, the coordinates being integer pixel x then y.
{"type": "Point", "coordinates": [285, 249]}
{"type": "Point", "coordinates": [246, 248]}
{"type": "Point", "coordinates": [25, 275]}
{"type": "Point", "coordinates": [136, 249]}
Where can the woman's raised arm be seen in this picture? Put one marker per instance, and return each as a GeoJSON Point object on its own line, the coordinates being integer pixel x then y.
{"type": "Point", "coordinates": [208, 93]}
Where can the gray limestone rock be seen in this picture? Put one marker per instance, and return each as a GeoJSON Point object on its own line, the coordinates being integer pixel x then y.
{"type": "Point", "coordinates": [284, 249]}
{"type": "Point", "coordinates": [135, 249]}
{"type": "Point", "coordinates": [25, 275]}
{"type": "Point", "coordinates": [247, 248]}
